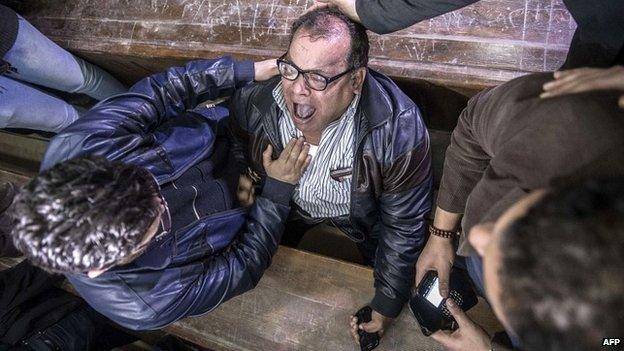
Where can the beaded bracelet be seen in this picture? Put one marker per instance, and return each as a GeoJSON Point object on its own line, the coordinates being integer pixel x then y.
{"type": "Point", "coordinates": [443, 233]}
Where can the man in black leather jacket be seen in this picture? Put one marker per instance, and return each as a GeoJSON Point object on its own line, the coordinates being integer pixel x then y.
{"type": "Point", "coordinates": [135, 200]}
{"type": "Point", "coordinates": [370, 174]}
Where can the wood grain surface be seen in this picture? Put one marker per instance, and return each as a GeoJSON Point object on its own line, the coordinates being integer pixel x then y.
{"type": "Point", "coordinates": [481, 45]}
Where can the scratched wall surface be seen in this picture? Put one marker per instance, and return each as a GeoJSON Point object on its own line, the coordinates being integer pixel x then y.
{"type": "Point", "coordinates": [483, 44]}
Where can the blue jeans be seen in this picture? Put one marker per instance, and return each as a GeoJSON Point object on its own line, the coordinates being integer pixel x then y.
{"type": "Point", "coordinates": [38, 60]}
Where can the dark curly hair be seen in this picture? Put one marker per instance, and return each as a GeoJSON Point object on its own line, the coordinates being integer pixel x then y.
{"type": "Point", "coordinates": [325, 22]}
{"type": "Point", "coordinates": [84, 214]}
{"type": "Point", "coordinates": [562, 269]}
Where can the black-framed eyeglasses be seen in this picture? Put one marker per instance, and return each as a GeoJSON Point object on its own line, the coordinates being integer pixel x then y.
{"type": "Point", "coordinates": [313, 80]}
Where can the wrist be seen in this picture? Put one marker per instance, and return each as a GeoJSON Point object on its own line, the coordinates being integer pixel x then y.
{"type": "Point", "coordinates": [447, 235]}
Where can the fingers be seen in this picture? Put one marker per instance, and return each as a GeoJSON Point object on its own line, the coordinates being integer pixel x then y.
{"type": "Point", "coordinates": [296, 150]}
{"type": "Point", "coordinates": [569, 72]}
{"type": "Point", "coordinates": [244, 182]}
{"type": "Point", "coordinates": [443, 337]}
{"type": "Point", "coordinates": [574, 84]}
{"type": "Point", "coordinates": [319, 4]}
{"type": "Point", "coordinates": [371, 327]}
{"type": "Point", "coordinates": [246, 191]}
{"type": "Point", "coordinates": [288, 149]}
{"type": "Point", "coordinates": [302, 157]}
{"type": "Point", "coordinates": [420, 273]}
{"type": "Point", "coordinates": [354, 329]}
{"type": "Point", "coordinates": [564, 78]}
{"type": "Point", "coordinates": [444, 272]}
{"type": "Point", "coordinates": [264, 70]}
{"type": "Point", "coordinates": [266, 156]}
{"type": "Point", "coordinates": [460, 316]}
{"type": "Point", "coordinates": [580, 80]}
{"type": "Point", "coordinates": [304, 168]}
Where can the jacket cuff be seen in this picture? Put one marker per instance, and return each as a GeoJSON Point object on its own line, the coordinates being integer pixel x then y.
{"type": "Point", "coordinates": [386, 306]}
{"type": "Point", "coordinates": [244, 72]}
{"type": "Point", "coordinates": [277, 191]}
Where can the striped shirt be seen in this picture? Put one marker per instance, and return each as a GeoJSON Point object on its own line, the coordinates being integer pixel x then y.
{"type": "Point", "coordinates": [318, 193]}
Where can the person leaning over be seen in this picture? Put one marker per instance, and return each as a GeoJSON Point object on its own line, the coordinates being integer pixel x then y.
{"type": "Point", "coordinates": [136, 205]}
{"type": "Point", "coordinates": [553, 269]}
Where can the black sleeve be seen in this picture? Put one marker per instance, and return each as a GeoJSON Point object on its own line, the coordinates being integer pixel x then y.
{"type": "Point", "coordinates": [386, 16]}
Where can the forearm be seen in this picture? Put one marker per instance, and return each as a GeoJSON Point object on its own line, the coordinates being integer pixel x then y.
{"type": "Point", "coordinates": [386, 16]}
{"type": "Point", "coordinates": [180, 88]}
{"type": "Point", "coordinates": [446, 220]}
{"type": "Point", "coordinates": [401, 240]}
{"type": "Point", "coordinates": [239, 268]}
{"type": "Point", "coordinates": [465, 159]}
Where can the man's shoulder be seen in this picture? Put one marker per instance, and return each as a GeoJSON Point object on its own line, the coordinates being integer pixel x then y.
{"type": "Point", "coordinates": [384, 101]}
{"type": "Point", "coordinates": [256, 92]}
{"type": "Point", "coordinates": [391, 112]}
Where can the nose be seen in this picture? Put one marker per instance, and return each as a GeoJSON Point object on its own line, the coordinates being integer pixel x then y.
{"type": "Point", "coordinates": [300, 87]}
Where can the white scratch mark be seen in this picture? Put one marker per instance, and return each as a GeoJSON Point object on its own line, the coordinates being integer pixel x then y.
{"type": "Point", "coordinates": [240, 21]}
{"type": "Point", "coordinates": [408, 50]}
{"type": "Point", "coordinates": [198, 10]}
{"type": "Point", "coordinates": [132, 32]}
{"type": "Point", "coordinates": [253, 23]}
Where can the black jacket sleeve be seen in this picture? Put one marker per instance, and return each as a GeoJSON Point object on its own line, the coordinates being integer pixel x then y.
{"type": "Point", "coordinates": [386, 16]}
{"type": "Point", "coordinates": [404, 205]}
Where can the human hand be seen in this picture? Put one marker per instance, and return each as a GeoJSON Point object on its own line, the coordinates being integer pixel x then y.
{"type": "Point", "coordinates": [586, 79]}
{"type": "Point", "coordinates": [438, 255]}
{"type": "Point", "coordinates": [264, 70]}
{"type": "Point", "coordinates": [292, 162]}
{"type": "Point", "coordinates": [347, 7]}
{"type": "Point", "coordinates": [246, 192]}
{"type": "Point", "coordinates": [468, 336]}
{"type": "Point", "coordinates": [378, 324]}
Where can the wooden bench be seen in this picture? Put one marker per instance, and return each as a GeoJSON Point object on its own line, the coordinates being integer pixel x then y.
{"type": "Point", "coordinates": [303, 302]}
{"type": "Point", "coordinates": [439, 62]}
{"type": "Point", "coordinates": [481, 45]}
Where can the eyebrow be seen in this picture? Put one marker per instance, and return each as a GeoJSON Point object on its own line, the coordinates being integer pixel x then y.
{"type": "Point", "coordinates": [316, 70]}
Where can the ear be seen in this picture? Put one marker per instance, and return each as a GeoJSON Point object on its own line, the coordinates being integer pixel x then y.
{"type": "Point", "coordinates": [480, 236]}
{"type": "Point", "coordinates": [95, 273]}
{"type": "Point", "coordinates": [357, 79]}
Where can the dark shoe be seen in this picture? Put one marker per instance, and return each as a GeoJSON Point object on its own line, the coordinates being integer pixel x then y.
{"type": "Point", "coordinates": [7, 193]}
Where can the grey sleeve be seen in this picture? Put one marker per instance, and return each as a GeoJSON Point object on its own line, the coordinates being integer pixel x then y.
{"type": "Point", "coordinates": [386, 16]}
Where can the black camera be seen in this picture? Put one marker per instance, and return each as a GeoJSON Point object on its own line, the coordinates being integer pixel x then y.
{"type": "Point", "coordinates": [428, 306]}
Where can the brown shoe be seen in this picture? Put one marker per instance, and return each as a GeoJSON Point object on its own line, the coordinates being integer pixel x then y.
{"type": "Point", "coordinates": [7, 193]}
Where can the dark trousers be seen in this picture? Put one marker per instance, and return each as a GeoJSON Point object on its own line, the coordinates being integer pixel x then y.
{"type": "Point", "coordinates": [296, 227]}
{"type": "Point", "coordinates": [75, 331]}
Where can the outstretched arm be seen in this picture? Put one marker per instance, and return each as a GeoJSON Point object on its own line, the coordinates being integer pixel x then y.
{"type": "Point", "coordinates": [131, 127]}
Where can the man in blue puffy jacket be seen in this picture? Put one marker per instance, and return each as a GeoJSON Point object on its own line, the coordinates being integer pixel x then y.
{"type": "Point", "coordinates": [135, 201]}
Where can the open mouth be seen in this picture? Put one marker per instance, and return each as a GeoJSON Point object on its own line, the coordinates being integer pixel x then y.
{"type": "Point", "coordinates": [303, 112]}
